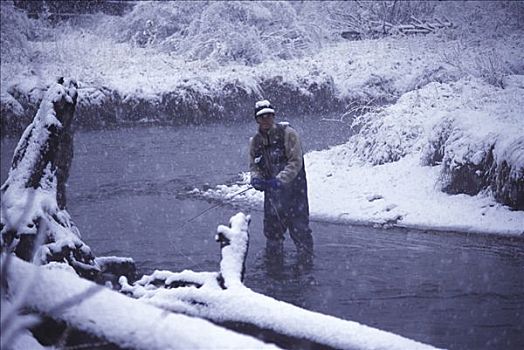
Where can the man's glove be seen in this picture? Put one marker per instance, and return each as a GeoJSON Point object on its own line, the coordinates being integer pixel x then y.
{"type": "Point", "coordinates": [274, 183]}
{"type": "Point", "coordinates": [258, 184]}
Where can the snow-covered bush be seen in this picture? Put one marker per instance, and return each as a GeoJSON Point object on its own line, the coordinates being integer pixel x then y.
{"type": "Point", "coordinates": [482, 18]}
{"type": "Point", "coordinates": [246, 32]}
{"type": "Point", "coordinates": [479, 144]}
{"type": "Point", "coordinates": [11, 111]}
{"type": "Point", "coordinates": [386, 135]}
{"type": "Point", "coordinates": [470, 128]}
{"type": "Point", "coordinates": [476, 43]}
{"type": "Point", "coordinates": [152, 22]}
{"type": "Point", "coordinates": [466, 158]}
{"type": "Point", "coordinates": [16, 30]}
{"type": "Point", "coordinates": [471, 58]}
{"type": "Point", "coordinates": [16, 53]}
{"type": "Point", "coordinates": [479, 157]}
{"type": "Point", "coordinates": [363, 19]}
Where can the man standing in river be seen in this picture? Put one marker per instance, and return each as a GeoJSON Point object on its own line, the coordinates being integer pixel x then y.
{"type": "Point", "coordinates": [277, 168]}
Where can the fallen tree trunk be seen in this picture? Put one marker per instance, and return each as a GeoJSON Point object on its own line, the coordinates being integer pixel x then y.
{"type": "Point", "coordinates": [223, 299]}
{"type": "Point", "coordinates": [60, 294]}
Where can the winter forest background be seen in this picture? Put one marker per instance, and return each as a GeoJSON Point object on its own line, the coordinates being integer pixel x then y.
{"type": "Point", "coordinates": [427, 98]}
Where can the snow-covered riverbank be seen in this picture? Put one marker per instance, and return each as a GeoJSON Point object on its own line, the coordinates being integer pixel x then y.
{"type": "Point", "coordinates": [453, 124]}
{"type": "Point", "coordinates": [395, 170]}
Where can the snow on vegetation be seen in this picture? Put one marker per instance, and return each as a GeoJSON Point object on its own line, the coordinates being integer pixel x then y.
{"type": "Point", "coordinates": [184, 61]}
{"type": "Point", "coordinates": [244, 32]}
{"type": "Point", "coordinates": [190, 61]}
{"type": "Point", "coordinates": [439, 137]}
{"type": "Point", "coordinates": [446, 127]}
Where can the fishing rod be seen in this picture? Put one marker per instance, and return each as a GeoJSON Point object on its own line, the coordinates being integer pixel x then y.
{"type": "Point", "coordinates": [217, 205]}
{"type": "Point", "coordinates": [202, 213]}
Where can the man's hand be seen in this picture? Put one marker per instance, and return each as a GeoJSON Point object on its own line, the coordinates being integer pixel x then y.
{"type": "Point", "coordinates": [258, 184]}
{"type": "Point", "coordinates": [274, 183]}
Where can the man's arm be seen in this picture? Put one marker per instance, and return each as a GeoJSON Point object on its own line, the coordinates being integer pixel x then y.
{"type": "Point", "coordinates": [253, 167]}
{"type": "Point", "coordinates": [294, 156]}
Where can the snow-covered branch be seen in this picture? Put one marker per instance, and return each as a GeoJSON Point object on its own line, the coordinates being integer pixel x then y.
{"type": "Point", "coordinates": [116, 318]}
{"type": "Point", "coordinates": [222, 298]}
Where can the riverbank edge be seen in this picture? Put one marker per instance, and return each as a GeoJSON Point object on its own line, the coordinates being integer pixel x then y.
{"type": "Point", "coordinates": [427, 229]}
{"type": "Point", "coordinates": [101, 107]}
{"type": "Point", "coordinates": [251, 204]}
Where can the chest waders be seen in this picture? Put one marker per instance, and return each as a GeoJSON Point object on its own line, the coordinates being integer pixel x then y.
{"type": "Point", "coordinates": [285, 208]}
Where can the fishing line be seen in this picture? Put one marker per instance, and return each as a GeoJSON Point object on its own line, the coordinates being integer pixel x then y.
{"type": "Point", "coordinates": [202, 213]}
{"type": "Point", "coordinates": [217, 205]}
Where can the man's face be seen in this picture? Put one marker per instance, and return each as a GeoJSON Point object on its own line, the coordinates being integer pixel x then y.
{"type": "Point", "coordinates": [265, 121]}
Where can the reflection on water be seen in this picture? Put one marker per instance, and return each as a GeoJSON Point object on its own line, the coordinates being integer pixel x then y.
{"type": "Point", "coordinates": [449, 290]}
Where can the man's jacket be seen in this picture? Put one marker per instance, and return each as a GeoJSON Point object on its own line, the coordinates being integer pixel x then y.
{"type": "Point", "coordinates": [277, 153]}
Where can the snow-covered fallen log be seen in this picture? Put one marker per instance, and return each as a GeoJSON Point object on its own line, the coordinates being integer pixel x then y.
{"type": "Point", "coordinates": [56, 291]}
{"type": "Point", "coordinates": [414, 27]}
{"type": "Point", "coordinates": [222, 298]}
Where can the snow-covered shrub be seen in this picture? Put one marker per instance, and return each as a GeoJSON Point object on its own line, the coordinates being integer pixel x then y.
{"type": "Point", "coordinates": [477, 42]}
{"type": "Point", "coordinates": [490, 67]}
{"type": "Point", "coordinates": [474, 159]}
{"type": "Point", "coordinates": [16, 30]}
{"type": "Point", "coordinates": [507, 183]}
{"type": "Point", "coordinates": [482, 18]}
{"type": "Point", "coordinates": [465, 159]}
{"type": "Point", "coordinates": [380, 17]}
{"type": "Point", "coordinates": [11, 111]}
{"type": "Point", "coordinates": [470, 58]}
{"type": "Point", "coordinates": [386, 135]}
{"type": "Point", "coordinates": [479, 144]}
{"type": "Point", "coordinates": [471, 129]}
{"type": "Point", "coordinates": [247, 32]}
{"type": "Point", "coordinates": [365, 19]}
{"type": "Point", "coordinates": [152, 22]}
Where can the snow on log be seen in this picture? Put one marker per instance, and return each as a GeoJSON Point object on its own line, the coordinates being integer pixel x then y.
{"type": "Point", "coordinates": [234, 243]}
{"type": "Point", "coordinates": [59, 293]}
{"type": "Point", "coordinates": [203, 295]}
{"type": "Point", "coordinates": [33, 196]}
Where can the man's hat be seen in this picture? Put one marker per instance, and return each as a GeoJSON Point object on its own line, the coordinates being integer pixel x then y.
{"type": "Point", "coordinates": [263, 107]}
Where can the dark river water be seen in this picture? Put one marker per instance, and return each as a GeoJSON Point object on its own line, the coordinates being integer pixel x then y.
{"type": "Point", "coordinates": [126, 194]}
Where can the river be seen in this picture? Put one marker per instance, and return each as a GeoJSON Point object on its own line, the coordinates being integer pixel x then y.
{"type": "Point", "coordinates": [126, 193]}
